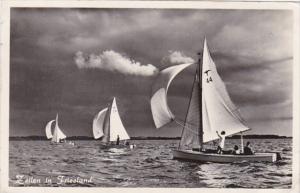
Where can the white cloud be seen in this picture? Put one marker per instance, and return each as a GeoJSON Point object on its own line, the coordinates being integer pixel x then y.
{"type": "Point", "coordinates": [177, 57]}
{"type": "Point", "coordinates": [113, 61]}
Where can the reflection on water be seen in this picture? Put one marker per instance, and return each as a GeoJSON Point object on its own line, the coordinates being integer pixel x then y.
{"type": "Point", "coordinates": [150, 164]}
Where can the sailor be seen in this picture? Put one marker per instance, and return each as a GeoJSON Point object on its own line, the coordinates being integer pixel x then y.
{"type": "Point", "coordinates": [118, 140]}
{"type": "Point", "coordinates": [235, 150]}
{"type": "Point", "coordinates": [247, 149]}
{"type": "Point", "coordinates": [221, 142]}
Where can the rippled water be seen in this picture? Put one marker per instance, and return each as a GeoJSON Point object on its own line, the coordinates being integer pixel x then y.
{"type": "Point", "coordinates": [150, 164]}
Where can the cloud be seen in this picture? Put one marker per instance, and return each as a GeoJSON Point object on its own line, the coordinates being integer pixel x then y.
{"type": "Point", "coordinates": [176, 57]}
{"type": "Point", "coordinates": [113, 61]}
{"type": "Point", "coordinates": [245, 45]}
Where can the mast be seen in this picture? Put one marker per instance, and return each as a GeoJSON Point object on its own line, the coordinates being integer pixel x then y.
{"type": "Point", "coordinates": [200, 132]}
{"type": "Point", "coordinates": [56, 120]}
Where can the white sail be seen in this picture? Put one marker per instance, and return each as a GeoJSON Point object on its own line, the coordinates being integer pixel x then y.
{"type": "Point", "coordinates": [48, 129]}
{"type": "Point", "coordinates": [58, 134]}
{"type": "Point", "coordinates": [218, 111]}
{"type": "Point", "coordinates": [159, 105]}
{"type": "Point", "coordinates": [210, 108]}
{"type": "Point", "coordinates": [190, 134]}
{"type": "Point", "coordinates": [98, 124]}
{"type": "Point", "coordinates": [116, 125]}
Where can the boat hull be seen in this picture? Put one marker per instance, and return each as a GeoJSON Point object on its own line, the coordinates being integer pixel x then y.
{"type": "Point", "coordinates": [189, 155]}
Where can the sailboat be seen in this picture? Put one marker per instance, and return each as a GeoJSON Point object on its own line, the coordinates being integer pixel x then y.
{"type": "Point", "coordinates": [210, 110]}
{"type": "Point", "coordinates": [108, 126]}
{"type": "Point", "coordinates": [57, 135]}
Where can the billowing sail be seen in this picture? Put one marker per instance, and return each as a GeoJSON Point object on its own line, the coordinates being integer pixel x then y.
{"type": "Point", "coordinates": [159, 105]}
{"type": "Point", "coordinates": [218, 111]}
{"type": "Point", "coordinates": [48, 129]}
{"type": "Point", "coordinates": [210, 108]}
{"type": "Point", "coordinates": [116, 125]}
{"type": "Point", "coordinates": [98, 124]}
{"type": "Point", "coordinates": [58, 134]}
{"type": "Point", "coordinates": [106, 125]}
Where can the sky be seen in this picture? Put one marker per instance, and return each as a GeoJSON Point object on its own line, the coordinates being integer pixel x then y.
{"type": "Point", "coordinates": [74, 61]}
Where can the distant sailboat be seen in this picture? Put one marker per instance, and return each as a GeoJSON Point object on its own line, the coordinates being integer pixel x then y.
{"type": "Point", "coordinates": [108, 126]}
{"type": "Point", "coordinates": [210, 109]}
{"type": "Point", "coordinates": [57, 135]}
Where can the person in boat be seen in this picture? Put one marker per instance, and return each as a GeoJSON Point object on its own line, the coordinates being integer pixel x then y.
{"type": "Point", "coordinates": [235, 150]}
{"type": "Point", "coordinates": [221, 142]}
{"type": "Point", "coordinates": [118, 140]}
{"type": "Point", "coordinates": [247, 149]}
{"type": "Point", "coordinates": [132, 146]}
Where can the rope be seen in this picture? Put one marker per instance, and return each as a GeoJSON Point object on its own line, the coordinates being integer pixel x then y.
{"type": "Point", "coordinates": [186, 123]}
{"type": "Point", "coordinates": [186, 127]}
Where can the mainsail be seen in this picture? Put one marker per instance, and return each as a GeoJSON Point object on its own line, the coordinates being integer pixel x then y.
{"type": "Point", "coordinates": [220, 113]}
{"type": "Point", "coordinates": [210, 108]}
{"type": "Point", "coordinates": [108, 125]}
{"type": "Point", "coordinates": [58, 134]}
{"type": "Point", "coordinates": [116, 125]}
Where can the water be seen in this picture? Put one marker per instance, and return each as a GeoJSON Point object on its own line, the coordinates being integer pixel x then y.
{"type": "Point", "coordinates": [150, 164]}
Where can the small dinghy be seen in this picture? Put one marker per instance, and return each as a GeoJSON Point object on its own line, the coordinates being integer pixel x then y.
{"type": "Point", "coordinates": [108, 127]}
{"type": "Point", "coordinates": [210, 111]}
{"type": "Point", "coordinates": [58, 136]}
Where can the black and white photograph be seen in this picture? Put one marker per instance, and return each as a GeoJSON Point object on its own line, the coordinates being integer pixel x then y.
{"type": "Point", "coordinates": [151, 96]}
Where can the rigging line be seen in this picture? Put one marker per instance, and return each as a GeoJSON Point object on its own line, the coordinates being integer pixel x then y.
{"type": "Point", "coordinates": [183, 123]}
{"type": "Point", "coordinates": [188, 128]}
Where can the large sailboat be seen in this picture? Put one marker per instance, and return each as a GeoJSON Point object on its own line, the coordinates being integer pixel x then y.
{"type": "Point", "coordinates": [108, 126]}
{"type": "Point", "coordinates": [57, 135]}
{"type": "Point", "coordinates": [210, 111]}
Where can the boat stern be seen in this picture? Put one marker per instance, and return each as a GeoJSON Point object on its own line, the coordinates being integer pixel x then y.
{"type": "Point", "coordinates": [276, 156]}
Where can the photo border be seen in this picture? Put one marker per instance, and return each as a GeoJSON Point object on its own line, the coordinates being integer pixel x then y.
{"type": "Point", "coordinates": [6, 5]}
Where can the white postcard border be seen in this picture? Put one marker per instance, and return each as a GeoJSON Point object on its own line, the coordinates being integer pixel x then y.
{"type": "Point", "coordinates": [4, 78]}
